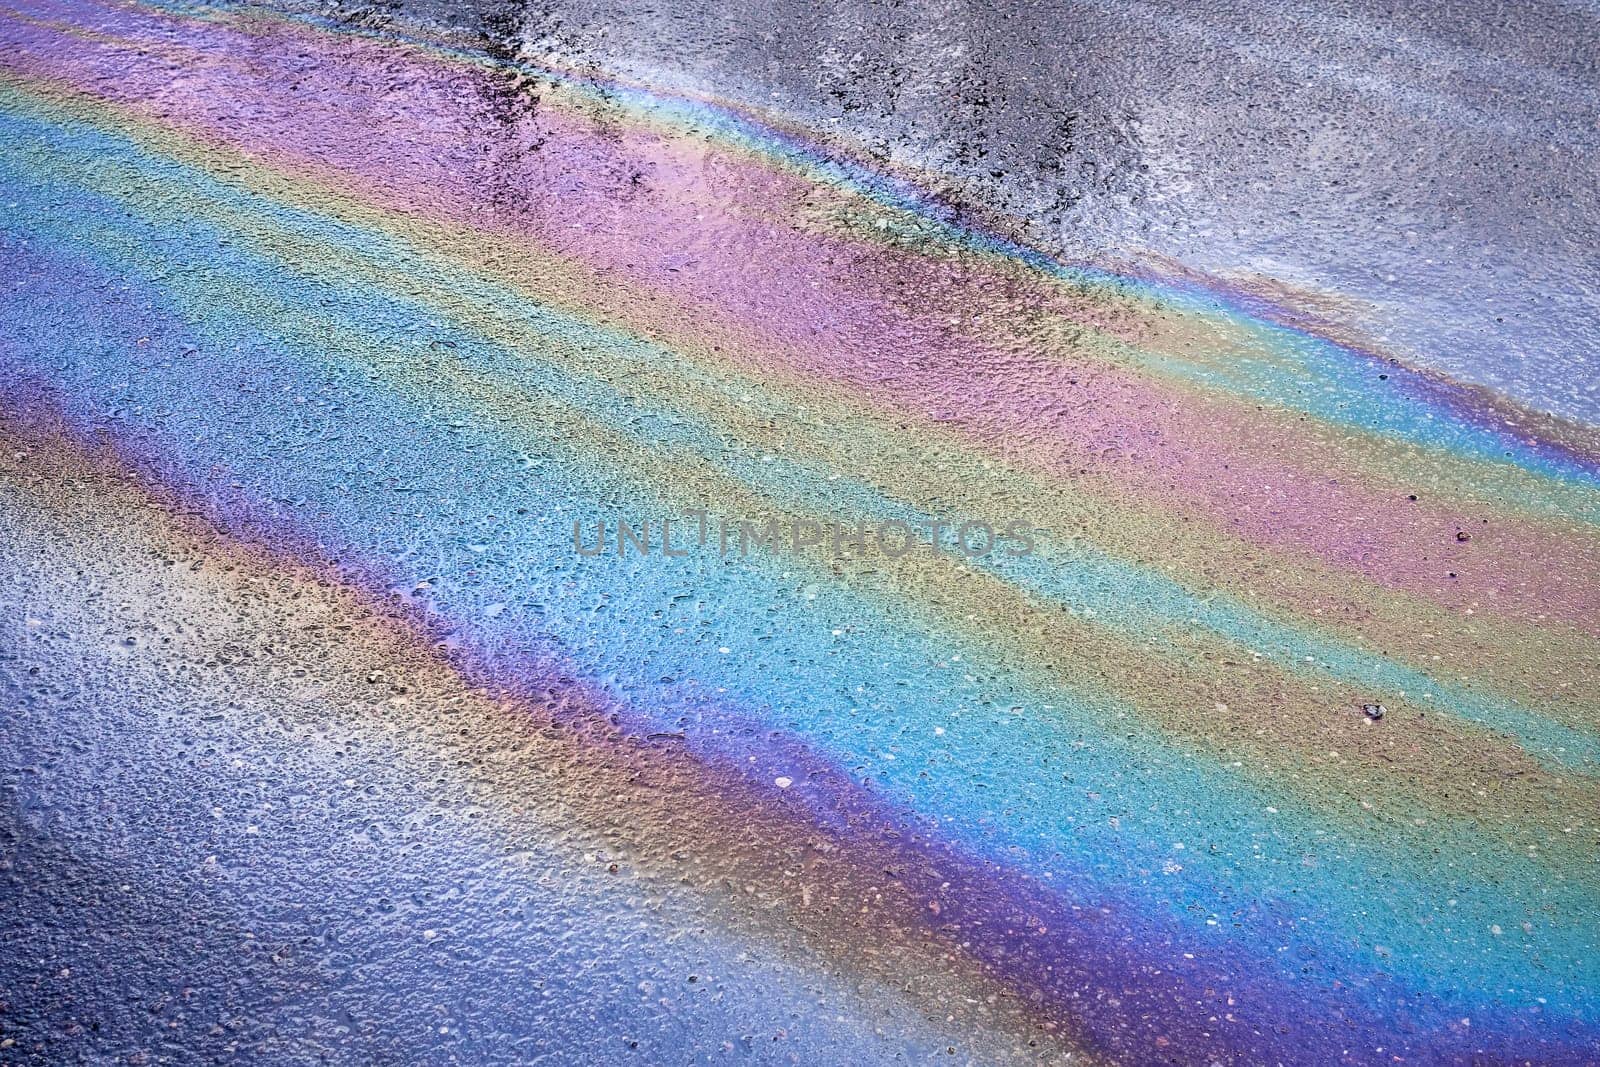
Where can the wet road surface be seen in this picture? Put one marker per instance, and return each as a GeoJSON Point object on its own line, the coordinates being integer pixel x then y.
{"type": "Point", "coordinates": [1111, 568]}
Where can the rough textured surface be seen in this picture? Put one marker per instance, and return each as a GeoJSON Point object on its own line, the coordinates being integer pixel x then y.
{"type": "Point", "coordinates": [320, 742]}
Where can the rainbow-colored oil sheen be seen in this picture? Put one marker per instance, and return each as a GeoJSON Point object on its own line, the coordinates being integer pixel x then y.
{"type": "Point", "coordinates": [391, 314]}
